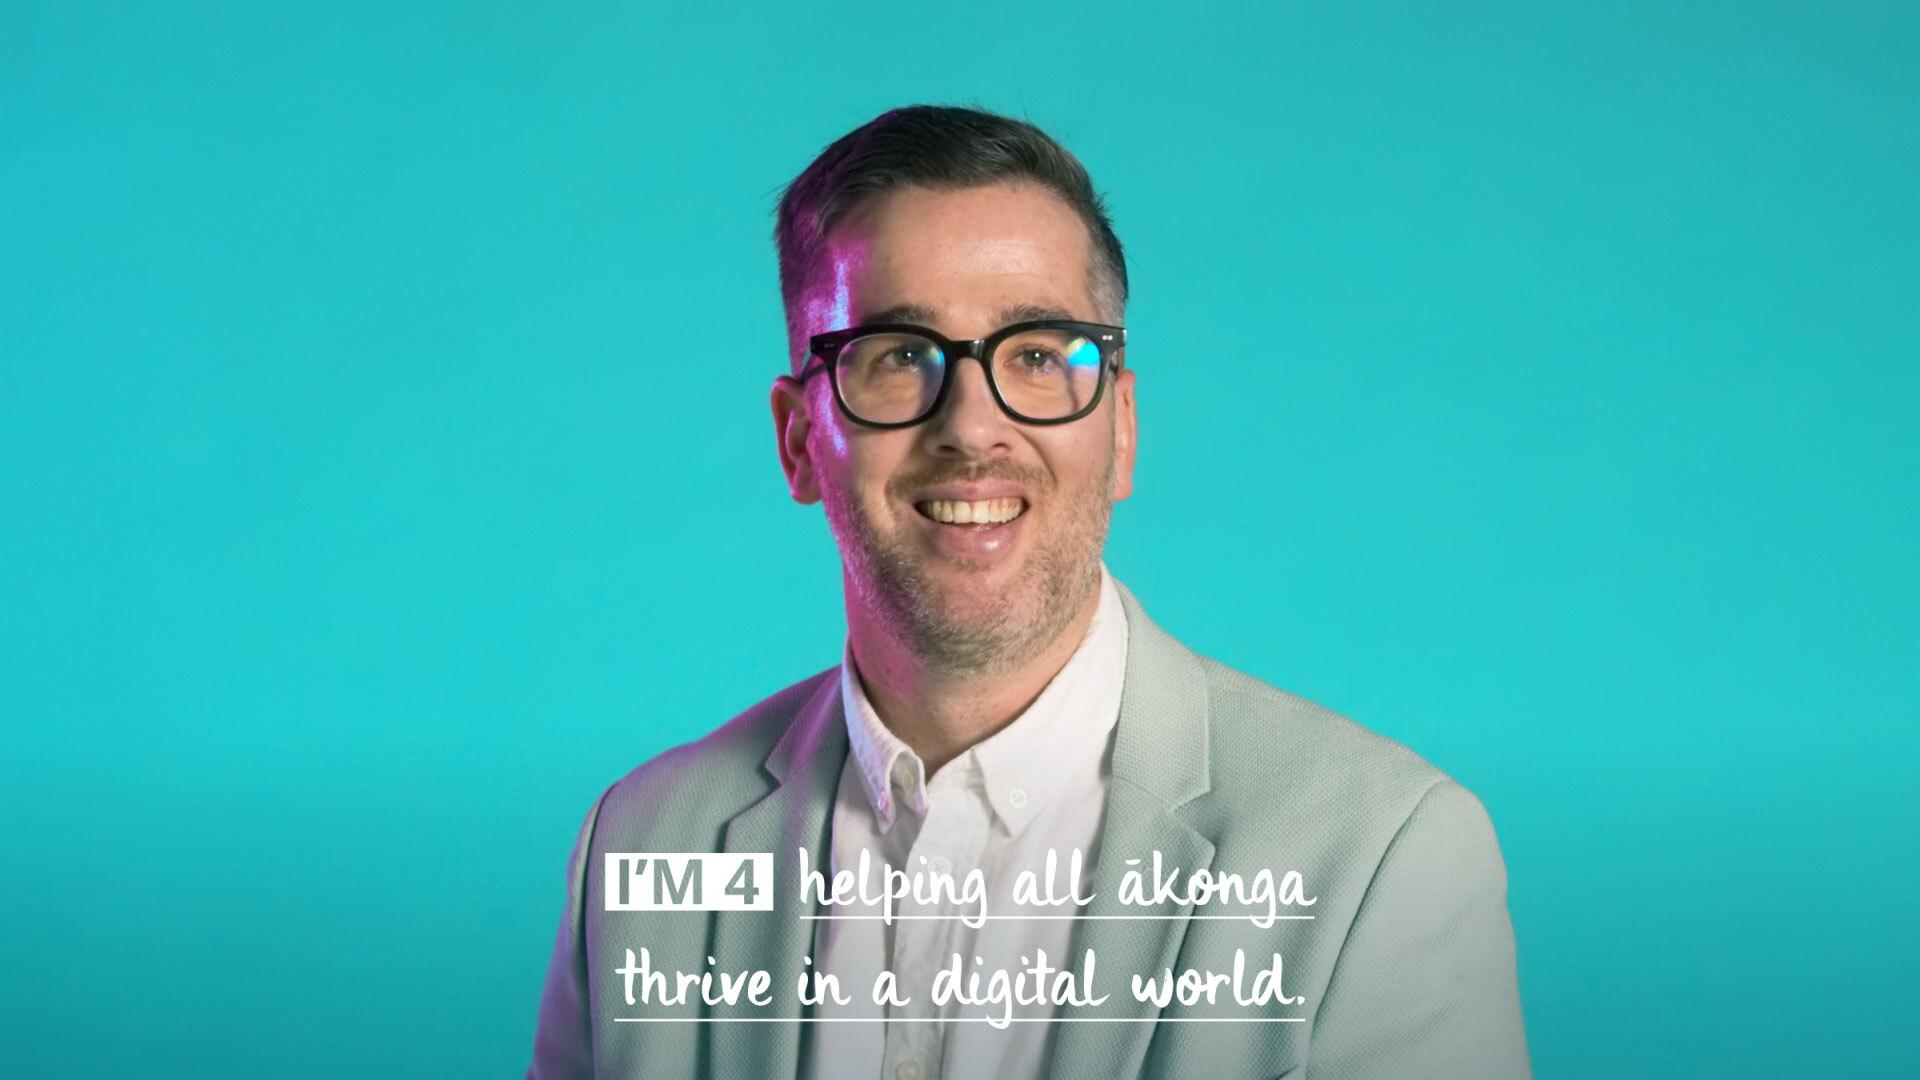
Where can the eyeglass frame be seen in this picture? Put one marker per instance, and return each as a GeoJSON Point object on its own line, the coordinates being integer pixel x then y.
{"type": "Point", "coordinates": [827, 348]}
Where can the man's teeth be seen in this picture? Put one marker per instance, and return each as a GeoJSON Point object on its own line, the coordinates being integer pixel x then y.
{"type": "Point", "coordinates": [982, 512]}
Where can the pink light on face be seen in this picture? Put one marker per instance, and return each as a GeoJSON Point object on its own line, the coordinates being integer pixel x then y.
{"type": "Point", "coordinates": [829, 306]}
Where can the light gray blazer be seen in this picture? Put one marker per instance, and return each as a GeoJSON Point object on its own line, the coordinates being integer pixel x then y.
{"type": "Point", "coordinates": [1407, 966]}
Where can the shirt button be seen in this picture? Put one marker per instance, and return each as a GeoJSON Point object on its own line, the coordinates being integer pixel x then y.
{"type": "Point", "coordinates": [907, 1070]}
{"type": "Point", "coordinates": [939, 866]}
{"type": "Point", "coordinates": [1017, 798]}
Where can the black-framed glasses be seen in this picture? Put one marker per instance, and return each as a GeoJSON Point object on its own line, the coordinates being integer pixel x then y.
{"type": "Point", "coordinates": [894, 375]}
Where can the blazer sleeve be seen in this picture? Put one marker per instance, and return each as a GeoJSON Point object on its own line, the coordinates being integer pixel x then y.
{"type": "Point", "coordinates": [563, 1036]}
{"type": "Point", "coordinates": [1425, 984]}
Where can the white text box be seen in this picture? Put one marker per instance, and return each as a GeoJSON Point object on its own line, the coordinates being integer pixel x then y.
{"type": "Point", "coordinates": [689, 881]}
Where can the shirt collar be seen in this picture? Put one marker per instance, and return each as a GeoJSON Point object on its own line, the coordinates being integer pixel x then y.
{"type": "Point", "coordinates": [1063, 735]}
{"type": "Point", "coordinates": [881, 756]}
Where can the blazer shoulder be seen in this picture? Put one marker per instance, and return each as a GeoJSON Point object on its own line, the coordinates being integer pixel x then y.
{"type": "Point", "coordinates": [1272, 747]}
{"type": "Point", "coordinates": [725, 764]}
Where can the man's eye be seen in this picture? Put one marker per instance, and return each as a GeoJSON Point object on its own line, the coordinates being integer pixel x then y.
{"type": "Point", "coordinates": [1037, 360]}
{"type": "Point", "coordinates": [904, 358]}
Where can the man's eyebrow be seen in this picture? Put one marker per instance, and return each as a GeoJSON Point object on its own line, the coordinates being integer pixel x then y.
{"type": "Point", "coordinates": [1032, 313]}
{"type": "Point", "coordinates": [898, 313]}
{"type": "Point", "coordinates": [921, 313]}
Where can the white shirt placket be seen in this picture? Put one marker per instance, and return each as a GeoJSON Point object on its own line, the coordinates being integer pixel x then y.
{"type": "Point", "coordinates": [949, 842]}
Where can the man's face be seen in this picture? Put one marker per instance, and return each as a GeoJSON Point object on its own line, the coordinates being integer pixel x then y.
{"type": "Point", "coordinates": [975, 596]}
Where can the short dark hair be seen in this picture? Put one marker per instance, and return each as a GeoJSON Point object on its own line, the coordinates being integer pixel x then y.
{"type": "Point", "coordinates": [937, 146]}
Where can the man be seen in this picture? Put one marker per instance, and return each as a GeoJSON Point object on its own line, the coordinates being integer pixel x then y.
{"type": "Point", "coordinates": [959, 402]}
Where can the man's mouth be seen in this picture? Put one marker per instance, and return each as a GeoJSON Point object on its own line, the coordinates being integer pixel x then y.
{"type": "Point", "coordinates": [978, 513]}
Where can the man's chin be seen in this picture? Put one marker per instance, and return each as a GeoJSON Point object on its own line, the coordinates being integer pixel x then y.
{"type": "Point", "coordinates": [960, 594]}
{"type": "Point", "coordinates": [969, 575]}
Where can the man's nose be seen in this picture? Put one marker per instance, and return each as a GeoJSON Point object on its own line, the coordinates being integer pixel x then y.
{"type": "Point", "coordinates": [970, 422]}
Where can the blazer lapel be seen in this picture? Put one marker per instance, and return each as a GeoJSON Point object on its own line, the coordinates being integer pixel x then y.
{"type": "Point", "coordinates": [1160, 762]}
{"type": "Point", "coordinates": [805, 764]}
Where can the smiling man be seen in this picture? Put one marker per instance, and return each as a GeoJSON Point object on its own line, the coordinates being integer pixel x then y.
{"type": "Point", "coordinates": [959, 401]}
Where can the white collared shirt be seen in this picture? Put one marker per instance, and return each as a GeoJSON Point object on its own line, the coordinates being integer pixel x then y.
{"type": "Point", "coordinates": [1038, 783]}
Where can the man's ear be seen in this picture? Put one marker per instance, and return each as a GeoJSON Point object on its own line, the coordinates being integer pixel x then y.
{"type": "Point", "coordinates": [1126, 434]}
{"type": "Point", "coordinates": [790, 425]}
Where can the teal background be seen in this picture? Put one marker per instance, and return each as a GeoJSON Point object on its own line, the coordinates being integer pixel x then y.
{"type": "Point", "coordinates": [386, 469]}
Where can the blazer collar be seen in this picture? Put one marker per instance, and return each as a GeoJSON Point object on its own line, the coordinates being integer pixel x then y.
{"type": "Point", "coordinates": [804, 770]}
{"type": "Point", "coordinates": [1162, 744]}
{"type": "Point", "coordinates": [1160, 763]}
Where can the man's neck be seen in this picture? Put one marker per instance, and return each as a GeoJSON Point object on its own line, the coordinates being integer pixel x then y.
{"type": "Point", "coordinates": [941, 714]}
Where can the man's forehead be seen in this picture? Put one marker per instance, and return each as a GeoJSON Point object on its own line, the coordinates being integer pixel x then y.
{"type": "Point", "coordinates": [1005, 254]}
{"type": "Point", "coordinates": [1006, 227]}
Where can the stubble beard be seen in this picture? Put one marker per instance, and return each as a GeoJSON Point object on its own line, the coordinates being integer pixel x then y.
{"type": "Point", "coordinates": [998, 632]}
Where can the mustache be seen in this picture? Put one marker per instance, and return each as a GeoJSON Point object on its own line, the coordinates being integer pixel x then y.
{"type": "Point", "coordinates": [1027, 476]}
